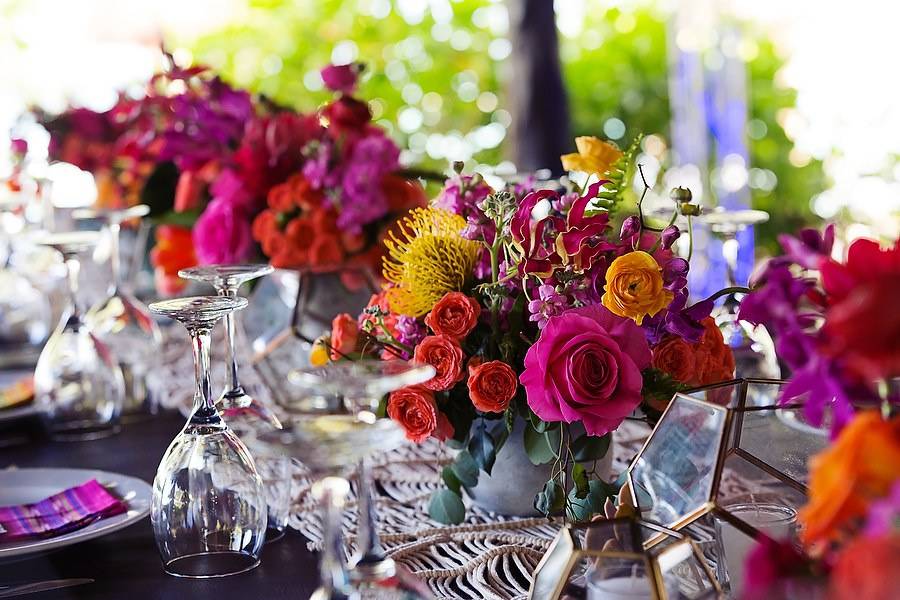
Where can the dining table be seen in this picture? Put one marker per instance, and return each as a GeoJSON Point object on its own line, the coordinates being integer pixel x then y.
{"type": "Point", "coordinates": [125, 565]}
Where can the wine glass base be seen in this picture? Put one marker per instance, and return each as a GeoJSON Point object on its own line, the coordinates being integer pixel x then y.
{"type": "Point", "coordinates": [205, 565]}
{"type": "Point", "coordinates": [81, 431]}
{"type": "Point", "coordinates": [372, 569]}
{"type": "Point", "coordinates": [273, 535]}
{"type": "Point", "coordinates": [233, 405]}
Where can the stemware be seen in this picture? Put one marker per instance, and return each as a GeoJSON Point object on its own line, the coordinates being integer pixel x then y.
{"type": "Point", "coordinates": [753, 348]}
{"type": "Point", "coordinates": [235, 403]}
{"type": "Point", "coordinates": [209, 507]}
{"type": "Point", "coordinates": [122, 321]}
{"type": "Point", "coordinates": [331, 427]}
{"type": "Point", "coordinates": [78, 385]}
{"type": "Point", "coordinates": [25, 312]}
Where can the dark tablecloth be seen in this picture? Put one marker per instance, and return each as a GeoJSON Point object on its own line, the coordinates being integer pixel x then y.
{"type": "Point", "coordinates": [125, 564]}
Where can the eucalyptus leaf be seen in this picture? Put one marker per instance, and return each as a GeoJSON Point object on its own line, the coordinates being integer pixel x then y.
{"type": "Point", "coordinates": [550, 499]}
{"type": "Point", "coordinates": [446, 507]}
{"type": "Point", "coordinates": [451, 480]}
{"type": "Point", "coordinates": [466, 469]}
{"type": "Point", "coordinates": [579, 478]}
{"type": "Point", "coordinates": [537, 447]}
{"type": "Point", "coordinates": [481, 446]}
{"type": "Point", "coordinates": [587, 448]}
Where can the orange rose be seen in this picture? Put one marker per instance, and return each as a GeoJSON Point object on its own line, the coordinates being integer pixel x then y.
{"type": "Point", "coordinates": [454, 315]}
{"type": "Point", "coordinates": [859, 467]}
{"type": "Point", "coordinates": [492, 385]}
{"type": "Point", "coordinates": [417, 412]}
{"type": "Point", "coordinates": [344, 336]}
{"type": "Point", "coordinates": [675, 356]}
{"type": "Point", "coordinates": [634, 287]}
{"type": "Point", "coordinates": [866, 569]}
{"type": "Point", "coordinates": [301, 232]}
{"type": "Point", "coordinates": [325, 251]}
{"type": "Point", "coordinates": [280, 198]}
{"type": "Point", "coordinates": [444, 354]}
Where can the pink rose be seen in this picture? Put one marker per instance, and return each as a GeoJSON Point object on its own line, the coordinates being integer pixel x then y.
{"type": "Point", "coordinates": [586, 366]}
{"type": "Point", "coordinates": [222, 234]}
{"type": "Point", "coordinates": [340, 78]}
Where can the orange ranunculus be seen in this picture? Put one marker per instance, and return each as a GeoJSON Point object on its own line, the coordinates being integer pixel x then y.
{"type": "Point", "coordinates": [594, 156]}
{"type": "Point", "coordinates": [280, 198]}
{"type": "Point", "coordinates": [417, 412]}
{"type": "Point", "coordinates": [301, 232]}
{"type": "Point", "coordinates": [326, 251]}
{"type": "Point", "coordinates": [174, 251]}
{"type": "Point", "coordinates": [675, 356]}
{"type": "Point", "coordinates": [344, 336]}
{"type": "Point", "coordinates": [491, 384]}
{"type": "Point", "coordinates": [455, 315]}
{"type": "Point", "coordinates": [634, 287]}
{"type": "Point", "coordinates": [867, 569]}
{"type": "Point", "coordinates": [858, 468]}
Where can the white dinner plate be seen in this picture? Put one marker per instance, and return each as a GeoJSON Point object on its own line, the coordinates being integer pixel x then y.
{"type": "Point", "coordinates": [25, 486]}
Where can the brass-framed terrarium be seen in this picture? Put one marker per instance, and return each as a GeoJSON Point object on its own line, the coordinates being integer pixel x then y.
{"type": "Point", "coordinates": [729, 462]}
{"type": "Point", "coordinates": [616, 558]}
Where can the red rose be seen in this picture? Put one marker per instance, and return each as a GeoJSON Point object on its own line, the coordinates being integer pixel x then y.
{"type": "Point", "coordinates": [492, 385]}
{"type": "Point", "coordinates": [860, 325]}
{"type": "Point", "coordinates": [417, 412]}
{"type": "Point", "coordinates": [444, 354]}
{"type": "Point", "coordinates": [455, 315]}
{"type": "Point", "coordinates": [344, 335]}
{"type": "Point", "coordinates": [347, 113]}
{"type": "Point", "coordinates": [675, 357]}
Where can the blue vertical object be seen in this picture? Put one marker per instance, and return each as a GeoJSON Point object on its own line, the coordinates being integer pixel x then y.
{"type": "Point", "coordinates": [709, 110]}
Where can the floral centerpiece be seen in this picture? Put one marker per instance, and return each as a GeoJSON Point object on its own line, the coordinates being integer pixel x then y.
{"type": "Point", "coordinates": [836, 330]}
{"type": "Point", "coordinates": [229, 175]}
{"type": "Point", "coordinates": [531, 306]}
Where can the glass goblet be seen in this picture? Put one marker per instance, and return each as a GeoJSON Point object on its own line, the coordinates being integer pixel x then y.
{"type": "Point", "coordinates": [753, 348]}
{"type": "Point", "coordinates": [235, 403]}
{"type": "Point", "coordinates": [209, 506]}
{"type": "Point", "coordinates": [78, 385]}
{"type": "Point", "coordinates": [121, 320]}
{"type": "Point", "coordinates": [332, 426]}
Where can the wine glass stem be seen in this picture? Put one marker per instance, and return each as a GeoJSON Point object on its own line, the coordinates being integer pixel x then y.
{"type": "Point", "coordinates": [203, 404]}
{"type": "Point", "coordinates": [73, 268]}
{"type": "Point", "coordinates": [332, 567]}
{"type": "Point", "coordinates": [114, 259]}
{"type": "Point", "coordinates": [730, 251]}
{"type": "Point", "coordinates": [368, 542]}
{"type": "Point", "coordinates": [233, 385]}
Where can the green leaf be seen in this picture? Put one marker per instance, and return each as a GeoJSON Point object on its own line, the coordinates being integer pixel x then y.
{"type": "Point", "coordinates": [181, 219]}
{"type": "Point", "coordinates": [592, 503]}
{"type": "Point", "coordinates": [481, 446]}
{"type": "Point", "coordinates": [551, 499]}
{"type": "Point", "coordinates": [539, 446]}
{"type": "Point", "coordinates": [381, 413]}
{"type": "Point", "coordinates": [466, 469]}
{"type": "Point", "coordinates": [537, 424]}
{"type": "Point", "coordinates": [451, 480]}
{"type": "Point", "coordinates": [579, 478]}
{"type": "Point", "coordinates": [587, 448]}
{"type": "Point", "coordinates": [446, 507]}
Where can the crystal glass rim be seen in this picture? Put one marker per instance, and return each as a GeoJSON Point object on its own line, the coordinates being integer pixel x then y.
{"type": "Point", "coordinates": [733, 218]}
{"type": "Point", "coordinates": [785, 514]}
{"type": "Point", "coordinates": [371, 376]}
{"type": "Point", "coordinates": [201, 308]}
{"type": "Point", "coordinates": [235, 273]}
{"type": "Point", "coordinates": [69, 241]}
{"type": "Point", "coordinates": [111, 215]}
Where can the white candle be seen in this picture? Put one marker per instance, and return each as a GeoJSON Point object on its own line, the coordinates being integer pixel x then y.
{"type": "Point", "coordinates": [774, 520]}
{"type": "Point", "coordinates": [635, 586]}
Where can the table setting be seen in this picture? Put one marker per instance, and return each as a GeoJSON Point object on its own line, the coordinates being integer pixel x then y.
{"type": "Point", "coordinates": [347, 379]}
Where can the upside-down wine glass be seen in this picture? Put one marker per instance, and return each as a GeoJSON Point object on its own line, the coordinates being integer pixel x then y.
{"type": "Point", "coordinates": [331, 427]}
{"type": "Point", "coordinates": [235, 403]}
{"type": "Point", "coordinates": [209, 507]}
{"type": "Point", "coordinates": [753, 348]}
{"type": "Point", "coordinates": [78, 386]}
{"type": "Point", "coordinates": [121, 320]}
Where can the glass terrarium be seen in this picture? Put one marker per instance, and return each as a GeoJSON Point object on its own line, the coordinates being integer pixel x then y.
{"type": "Point", "coordinates": [622, 558]}
{"type": "Point", "coordinates": [728, 462]}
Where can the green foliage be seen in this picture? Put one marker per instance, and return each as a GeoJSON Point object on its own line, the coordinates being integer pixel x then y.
{"type": "Point", "coordinates": [541, 447]}
{"type": "Point", "coordinates": [481, 446]}
{"type": "Point", "coordinates": [619, 176]}
{"type": "Point", "coordinates": [446, 507]}
{"type": "Point", "coordinates": [589, 447]}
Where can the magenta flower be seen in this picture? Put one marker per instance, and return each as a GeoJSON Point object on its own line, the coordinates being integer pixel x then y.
{"type": "Point", "coordinates": [586, 366]}
{"type": "Point", "coordinates": [222, 234]}
{"type": "Point", "coordinates": [341, 78]}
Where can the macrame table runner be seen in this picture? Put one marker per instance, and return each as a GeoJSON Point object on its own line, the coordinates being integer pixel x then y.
{"type": "Point", "coordinates": [489, 556]}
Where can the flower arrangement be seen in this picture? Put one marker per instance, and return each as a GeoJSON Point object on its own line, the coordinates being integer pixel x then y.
{"type": "Point", "coordinates": [834, 327]}
{"type": "Point", "coordinates": [531, 306]}
{"type": "Point", "coordinates": [309, 191]}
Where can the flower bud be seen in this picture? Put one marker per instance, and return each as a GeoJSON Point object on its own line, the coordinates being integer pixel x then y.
{"type": "Point", "coordinates": [681, 195]}
{"type": "Point", "coordinates": [669, 235]}
{"type": "Point", "coordinates": [689, 209]}
{"type": "Point", "coordinates": [458, 166]}
{"type": "Point", "coordinates": [630, 227]}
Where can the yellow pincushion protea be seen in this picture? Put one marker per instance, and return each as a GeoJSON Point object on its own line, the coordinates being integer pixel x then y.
{"type": "Point", "coordinates": [427, 257]}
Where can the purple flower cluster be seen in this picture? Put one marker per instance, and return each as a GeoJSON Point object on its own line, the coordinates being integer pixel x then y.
{"type": "Point", "coordinates": [362, 200]}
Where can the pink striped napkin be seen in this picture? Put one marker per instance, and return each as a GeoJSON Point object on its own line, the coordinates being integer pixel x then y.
{"type": "Point", "coordinates": [61, 513]}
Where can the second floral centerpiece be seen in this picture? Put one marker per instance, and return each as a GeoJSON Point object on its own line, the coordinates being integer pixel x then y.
{"type": "Point", "coordinates": [541, 318]}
